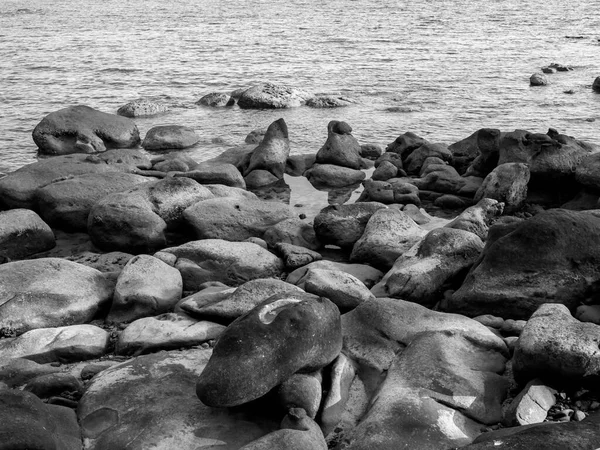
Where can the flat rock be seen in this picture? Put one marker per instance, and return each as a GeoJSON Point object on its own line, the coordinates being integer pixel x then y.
{"type": "Point", "coordinates": [23, 233]}
{"type": "Point", "coordinates": [332, 175]}
{"type": "Point", "coordinates": [531, 405]}
{"type": "Point", "coordinates": [142, 108]}
{"type": "Point", "coordinates": [167, 137]}
{"type": "Point", "coordinates": [215, 173]}
{"type": "Point", "coordinates": [295, 256]}
{"type": "Point", "coordinates": [16, 372]}
{"type": "Point", "coordinates": [366, 274]}
{"type": "Point", "coordinates": [292, 231]}
{"type": "Point", "coordinates": [81, 129]}
{"type": "Point", "coordinates": [49, 292]}
{"type": "Point", "coordinates": [272, 96]}
{"type": "Point", "coordinates": [346, 291]}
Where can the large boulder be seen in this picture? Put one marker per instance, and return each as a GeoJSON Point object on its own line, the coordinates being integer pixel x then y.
{"type": "Point", "coordinates": [596, 84]}
{"type": "Point", "coordinates": [279, 337]}
{"type": "Point", "coordinates": [18, 188]}
{"type": "Point", "coordinates": [146, 287]}
{"type": "Point", "coordinates": [168, 137]}
{"type": "Point", "coordinates": [171, 416]}
{"type": "Point", "coordinates": [66, 204]}
{"type": "Point", "coordinates": [232, 263]}
{"type": "Point", "coordinates": [272, 96]}
{"type": "Point", "coordinates": [23, 233]}
{"type": "Point", "coordinates": [215, 173]}
{"type": "Point", "coordinates": [414, 161]}
{"type": "Point", "coordinates": [333, 175]}
{"type": "Point", "coordinates": [343, 289]}
{"type": "Point", "coordinates": [507, 183]}
{"type": "Point", "coordinates": [484, 144]}
{"type": "Point", "coordinates": [136, 220]}
{"type": "Point", "coordinates": [557, 347]}
{"type": "Point", "coordinates": [551, 258]}
{"type": "Point", "coordinates": [405, 144]}
{"type": "Point", "coordinates": [341, 148]}
{"type": "Point", "coordinates": [81, 129]}
{"type": "Point", "coordinates": [388, 234]}
{"type": "Point", "coordinates": [234, 219]}
{"type": "Point", "coordinates": [273, 151]}
{"type": "Point", "coordinates": [435, 265]}
{"type": "Point", "coordinates": [49, 292]}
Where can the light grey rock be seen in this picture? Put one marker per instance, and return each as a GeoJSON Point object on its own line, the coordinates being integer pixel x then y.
{"type": "Point", "coordinates": [23, 233]}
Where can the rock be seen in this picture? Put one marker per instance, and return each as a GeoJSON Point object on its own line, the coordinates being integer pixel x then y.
{"type": "Point", "coordinates": [538, 79]}
{"type": "Point", "coordinates": [596, 84]}
{"type": "Point", "coordinates": [146, 287]}
{"type": "Point", "coordinates": [166, 137]}
{"type": "Point", "coordinates": [16, 372]}
{"type": "Point", "coordinates": [66, 204]}
{"type": "Point", "coordinates": [531, 405]}
{"type": "Point", "coordinates": [336, 400]}
{"type": "Point", "coordinates": [441, 178]}
{"type": "Point", "coordinates": [557, 347]}
{"type": "Point", "coordinates": [23, 233]}
{"type": "Point", "coordinates": [301, 391]}
{"type": "Point", "coordinates": [343, 225]}
{"type": "Point", "coordinates": [162, 382]}
{"type": "Point", "coordinates": [235, 303]}
{"type": "Point", "coordinates": [385, 171]}
{"type": "Point", "coordinates": [216, 173]}
{"type": "Point", "coordinates": [545, 436]}
{"type": "Point", "coordinates": [292, 231]}
{"type": "Point", "coordinates": [216, 99]}
{"type": "Point", "coordinates": [449, 201]}
{"type": "Point", "coordinates": [512, 327]}
{"type": "Point", "coordinates": [165, 332]}
{"type": "Point", "coordinates": [27, 423]}
{"type": "Point", "coordinates": [330, 175]}
{"type": "Point", "coordinates": [391, 157]}
{"type": "Point", "coordinates": [177, 161]}
{"type": "Point", "coordinates": [104, 262]}
{"type": "Point", "coordinates": [62, 344]}
{"type": "Point", "coordinates": [81, 129]}
{"type": "Point", "coordinates": [414, 161]}
{"type": "Point", "coordinates": [273, 151]}
{"type": "Point", "coordinates": [142, 108]}
{"type": "Point", "coordinates": [136, 220]}
{"type": "Point", "coordinates": [545, 259]}
{"type": "Point", "coordinates": [588, 313]}
{"type": "Point", "coordinates": [415, 409]}
{"type": "Point", "coordinates": [418, 215]}
{"type": "Point", "coordinates": [255, 136]}
{"type": "Point", "coordinates": [341, 148]}
{"type": "Point", "coordinates": [295, 256]}
{"type": "Point", "coordinates": [89, 371]}
{"type": "Point", "coordinates": [18, 188]}
{"type": "Point", "coordinates": [377, 329]}
{"type": "Point", "coordinates": [587, 172]}
{"type": "Point", "coordinates": [232, 263]}
{"type": "Point", "coordinates": [477, 218]}
{"type": "Point", "coordinates": [366, 274]}
{"type": "Point", "coordinates": [507, 183]}
{"type": "Point", "coordinates": [279, 337]}
{"type": "Point", "coordinates": [233, 219]}
{"type": "Point", "coordinates": [346, 291]}
{"type": "Point", "coordinates": [54, 384]}
{"type": "Point", "coordinates": [371, 151]}
{"type": "Point", "coordinates": [406, 143]}
{"type": "Point", "coordinates": [486, 144]}
{"type": "Point", "coordinates": [49, 292]}
{"type": "Point", "coordinates": [298, 432]}
{"type": "Point", "coordinates": [328, 101]}
{"type": "Point", "coordinates": [388, 234]}
{"type": "Point", "coordinates": [272, 96]}
{"type": "Point", "coordinates": [395, 190]}
{"type": "Point", "coordinates": [435, 265]}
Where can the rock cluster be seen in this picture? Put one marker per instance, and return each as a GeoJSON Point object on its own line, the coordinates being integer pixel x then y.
{"type": "Point", "coordinates": [170, 303]}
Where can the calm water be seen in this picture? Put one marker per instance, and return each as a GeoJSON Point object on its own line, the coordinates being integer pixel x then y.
{"type": "Point", "coordinates": [439, 68]}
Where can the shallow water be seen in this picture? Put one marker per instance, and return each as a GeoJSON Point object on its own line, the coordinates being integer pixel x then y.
{"type": "Point", "coordinates": [439, 68]}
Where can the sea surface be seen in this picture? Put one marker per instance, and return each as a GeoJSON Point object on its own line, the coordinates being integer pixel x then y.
{"type": "Point", "coordinates": [439, 68]}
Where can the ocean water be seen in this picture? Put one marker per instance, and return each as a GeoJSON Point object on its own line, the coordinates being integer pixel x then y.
{"type": "Point", "coordinates": [439, 68]}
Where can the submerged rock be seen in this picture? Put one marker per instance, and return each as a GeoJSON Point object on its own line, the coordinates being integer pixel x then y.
{"type": "Point", "coordinates": [272, 96]}
{"type": "Point", "coordinates": [216, 99]}
{"type": "Point", "coordinates": [142, 108]}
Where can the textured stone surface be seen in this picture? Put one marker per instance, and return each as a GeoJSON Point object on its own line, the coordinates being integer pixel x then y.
{"type": "Point", "coordinates": [23, 233]}
{"type": "Point", "coordinates": [167, 137]}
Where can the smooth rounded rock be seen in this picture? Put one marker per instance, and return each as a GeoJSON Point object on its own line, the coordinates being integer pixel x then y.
{"type": "Point", "coordinates": [272, 152]}
{"type": "Point", "coordinates": [23, 233]}
{"type": "Point", "coordinates": [167, 137]}
{"type": "Point", "coordinates": [341, 148]}
{"type": "Point", "coordinates": [216, 99]}
{"type": "Point", "coordinates": [272, 96]}
{"type": "Point", "coordinates": [346, 291]}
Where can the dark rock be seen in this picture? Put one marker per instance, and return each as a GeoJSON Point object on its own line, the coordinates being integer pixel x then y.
{"type": "Point", "coordinates": [167, 137]}
{"type": "Point", "coordinates": [216, 99]}
{"type": "Point", "coordinates": [343, 289]}
{"type": "Point", "coordinates": [478, 218]}
{"type": "Point", "coordinates": [23, 233]}
{"type": "Point", "coordinates": [215, 173]}
{"type": "Point", "coordinates": [273, 151]}
{"type": "Point", "coordinates": [292, 231]}
{"type": "Point", "coordinates": [596, 84]}
{"type": "Point", "coordinates": [385, 171]}
{"type": "Point", "coordinates": [295, 256]}
{"type": "Point", "coordinates": [538, 79]}
{"type": "Point", "coordinates": [46, 386]}
{"type": "Point", "coordinates": [371, 151]}
{"type": "Point", "coordinates": [406, 144]}
{"type": "Point", "coordinates": [341, 148]}
{"type": "Point", "coordinates": [255, 136]}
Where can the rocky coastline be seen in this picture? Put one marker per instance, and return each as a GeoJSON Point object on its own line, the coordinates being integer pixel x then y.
{"type": "Point", "coordinates": [435, 297]}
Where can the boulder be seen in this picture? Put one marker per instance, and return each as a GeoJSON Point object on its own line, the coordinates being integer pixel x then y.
{"type": "Point", "coordinates": [49, 292]}
{"type": "Point", "coordinates": [366, 274]}
{"type": "Point", "coordinates": [406, 143]}
{"type": "Point", "coordinates": [550, 258]}
{"type": "Point", "coordinates": [255, 136]}
{"type": "Point", "coordinates": [142, 108]}
{"type": "Point", "coordinates": [177, 161]}
{"type": "Point", "coordinates": [15, 372]}
{"type": "Point", "coordinates": [341, 148]}
{"type": "Point", "coordinates": [146, 287]}
{"type": "Point", "coordinates": [279, 337]}
{"type": "Point", "coordinates": [273, 151]}
{"type": "Point", "coordinates": [343, 225]}
{"type": "Point", "coordinates": [62, 344]}
{"type": "Point", "coordinates": [165, 332]}
{"type": "Point", "coordinates": [538, 79]}
{"type": "Point", "coordinates": [167, 137]}
{"type": "Point", "coordinates": [477, 218]}
{"type": "Point", "coordinates": [438, 262]}
{"type": "Point", "coordinates": [215, 173]}
{"type": "Point", "coordinates": [23, 233]}
{"type": "Point", "coordinates": [343, 289]}
{"type": "Point", "coordinates": [28, 423]}
{"type": "Point", "coordinates": [137, 219]}
{"type": "Point", "coordinates": [292, 231]}
{"type": "Point", "coordinates": [587, 172]}
{"type": "Point", "coordinates": [331, 175]}
{"type": "Point", "coordinates": [388, 234]}
{"type": "Point", "coordinates": [104, 262]}
{"type": "Point", "coordinates": [232, 263]}
{"type": "Point", "coordinates": [233, 219]}
{"type": "Point", "coordinates": [507, 183]}
{"type": "Point", "coordinates": [385, 171]}
{"type": "Point", "coordinates": [302, 390]}
{"type": "Point", "coordinates": [391, 157]}
{"type": "Point", "coordinates": [531, 405]}
{"type": "Point", "coordinates": [272, 96]}
{"type": "Point", "coordinates": [295, 256]}
{"type": "Point", "coordinates": [18, 188]}
{"type": "Point", "coordinates": [216, 99]}
{"type": "Point", "coordinates": [394, 190]}
{"type": "Point", "coordinates": [371, 151]}
{"type": "Point", "coordinates": [556, 347]}
{"type": "Point", "coordinates": [66, 204]}
{"type": "Point", "coordinates": [81, 129]}
{"type": "Point", "coordinates": [170, 417]}
{"type": "Point", "coordinates": [54, 384]}
{"type": "Point", "coordinates": [441, 178]}
{"type": "Point", "coordinates": [414, 161]}
{"type": "Point", "coordinates": [328, 101]}
{"type": "Point", "coordinates": [486, 145]}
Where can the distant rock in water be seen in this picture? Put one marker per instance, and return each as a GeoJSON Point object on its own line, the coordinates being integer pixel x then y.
{"type": "Point", "coordinates": [538, 79]}
{"type": "Point", "coordinates": [596, 84]}
{"type": "Point", "coordinates": [142, 108]}
{"type": "Point", "coordinates": [328, 101]}
{"type": "Point", "coordinates": [81, 129]}
{"type": "Point", "coordinates": [216, 99]}
{"type": "Point", "coordinates": [272, 96]}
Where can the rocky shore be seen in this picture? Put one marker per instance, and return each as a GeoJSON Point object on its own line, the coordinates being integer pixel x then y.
{"type": "Point", "coordinates": [444, 297]}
